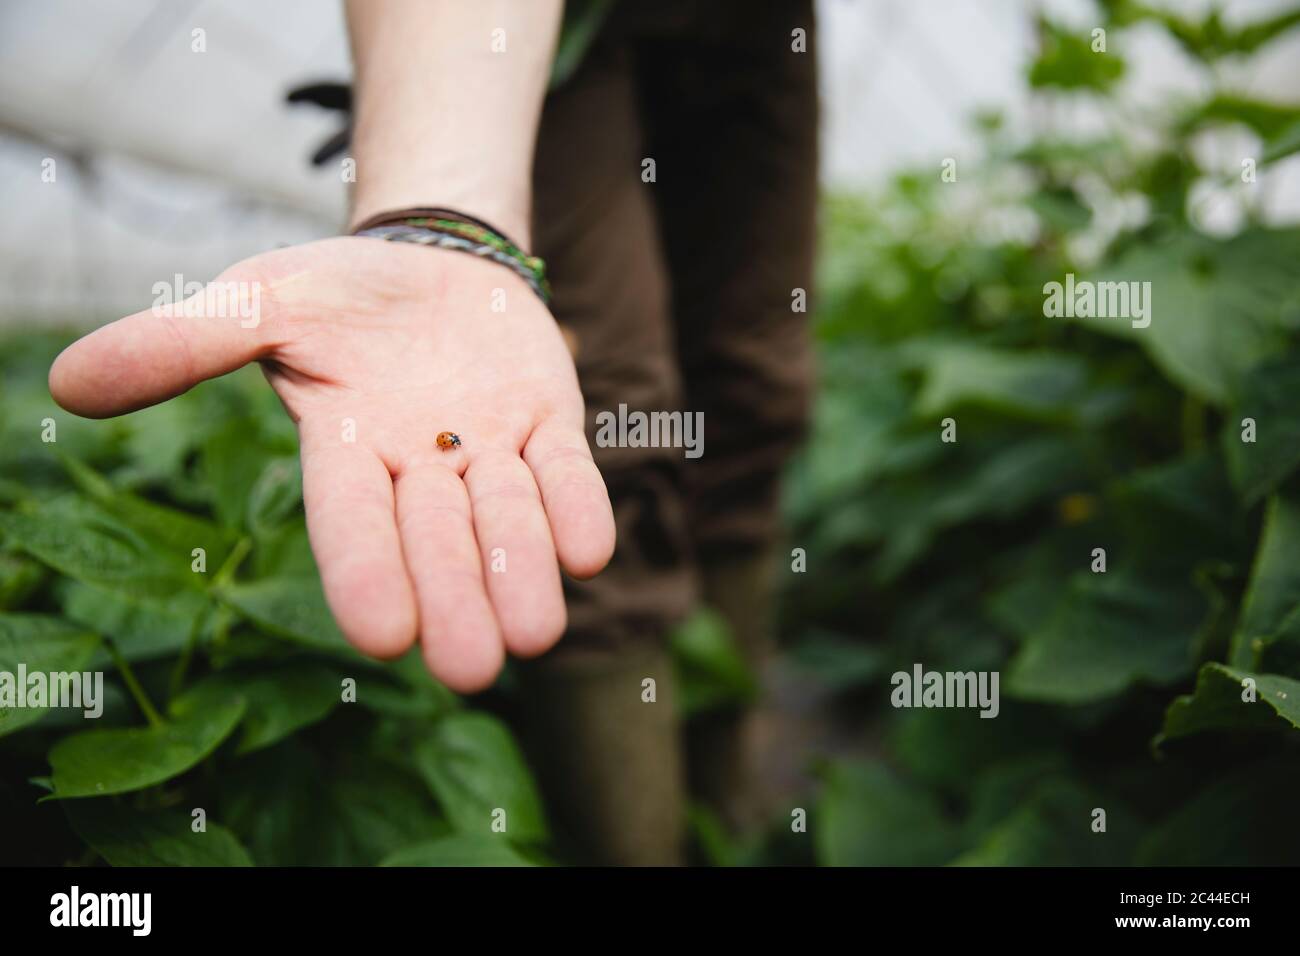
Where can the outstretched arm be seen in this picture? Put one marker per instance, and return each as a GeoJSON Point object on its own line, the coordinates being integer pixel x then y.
{"type": "Point", "coordinates": [376, 347]}
{"type": "Point", "coordinates": [447, 99]}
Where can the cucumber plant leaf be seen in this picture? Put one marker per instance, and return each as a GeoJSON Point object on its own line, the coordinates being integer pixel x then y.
{"type": "Point", "coordinates": [1225, 700]}
{"type": "Point", "coordinates": [40, 644]}
{"type": "Point", "coordinates": [101, 762]}
{"type": "Point", "coordinates": [127, 837]}
{"type": "Point", "coordinates": [474, 768]}
{"type": "Point", "coordinates": [456, 850]}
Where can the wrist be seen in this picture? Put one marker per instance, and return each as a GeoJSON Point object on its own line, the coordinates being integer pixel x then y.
{"type": "Point", "coordinates": [507, 214]}
{"type": "Point", "coordinates": [443, 115]}
{"type": "Point", "coordinates": [454, 229]}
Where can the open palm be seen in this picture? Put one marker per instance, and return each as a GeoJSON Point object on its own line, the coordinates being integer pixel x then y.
{"type": "Point", "coordinates": [374, 348]}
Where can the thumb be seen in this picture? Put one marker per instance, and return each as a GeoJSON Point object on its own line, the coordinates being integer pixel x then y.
{"type": "Point", "coordinates": [167, 349]}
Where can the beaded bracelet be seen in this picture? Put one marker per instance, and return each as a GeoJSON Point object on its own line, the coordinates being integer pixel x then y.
{"type": "Point", "coordinates": [448, 229]}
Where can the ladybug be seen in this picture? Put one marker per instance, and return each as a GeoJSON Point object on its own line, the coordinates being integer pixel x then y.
{"type": "Point", "coordinates": [448, 440]}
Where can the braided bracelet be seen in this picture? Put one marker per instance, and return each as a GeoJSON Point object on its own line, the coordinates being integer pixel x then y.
{"type": "Point", "coordinates": [463, 233]}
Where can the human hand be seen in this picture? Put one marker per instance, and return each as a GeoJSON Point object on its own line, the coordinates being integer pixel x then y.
{"type": "Point", "coordinates": [390, 344]}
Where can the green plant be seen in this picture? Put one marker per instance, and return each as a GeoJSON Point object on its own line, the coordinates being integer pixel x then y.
{"type": "Point", "coordinates": [1123, 690]}
{"type": "Point", "coordinates": [168, 549]}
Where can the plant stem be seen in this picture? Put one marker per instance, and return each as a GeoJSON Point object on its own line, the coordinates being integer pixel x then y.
{"type": "Point", "coordinates": [183, 662]}
{"type": "Point", "coordinates": [236, 557]}
{"type": "Point", "coordinates": [221, 630]}
{"type": "Point", "coordinates": [133, 685]}
{"type": "Point", "coordinates": [223, 577]}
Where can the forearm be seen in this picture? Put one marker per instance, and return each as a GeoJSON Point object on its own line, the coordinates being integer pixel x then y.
{"type": "Point", "coordinates": [442, 119]}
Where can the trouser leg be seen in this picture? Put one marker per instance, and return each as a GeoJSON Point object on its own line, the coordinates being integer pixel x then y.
{"type": "Point", "coordinates": [610, 759]}
{"type": "Point", "coordinates": [730, 107]}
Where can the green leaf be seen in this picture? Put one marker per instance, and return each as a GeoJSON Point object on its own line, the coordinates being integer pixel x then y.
{"type": "Point", "coordinates": [1244, 816]}
{"type": "Point", "coordinates": [1257, 33]}
{"type": "Point", "coordinates": [582, 22]}
{"type": "Point", "coordinates": [279, 802]}
{"type": "Point", "coordinates": [460, 849]}
{"type": "Point", "coordinates": [1271, 121]}
{"type": "Point", "coordinates": [392, 700]}
{"type": "Point", "coordinates": [1034, 385]}
{"type": "Point", "coordinates": [33, 463]}
{"type": "Point", "coordinates": [712, 673]}
{"type": "Point", "coordinates": [1209, 37]}
{"type": "Point", "coordinates": [275, 495]}
{"type": "Point", "coordinates": [1178, 513]}
{"type": "Point", "coordinates": [126, 837]}
{"type": "Point", "coordinates": [471, 763]}
{"type": "Point", "coordinates": [294, 809]}
{"type": "Point", "coordinates": [946, 748]}
{"type": "Point", "coordinates": [42, 645]}
{"type": "Point", "coordinates": [283, 700]}
{"type": "Point", "coordinates": [1061, 209]}
{"type": "Point", "coordinates": [1048, 827]}
{"type": "Point", "coordinates": [1033, 585]}
{"type": "Point", "coordinates": [173, 532]}
{"type": "Point", "coordinates": [838, 663]}
{"type": "Point", "coordinates": [141, 630]}
{"type": "Point", "coordinates": [159, 440]}
{"type": "Point", "coordinates": [1217, 307]}
{"type": "Point", "coordinates": [19, 578]}
{"type": "Point", "coordinates": [284, 552]}
{"type": "Point", "coordinates": [1268, 396]}
{"type": "Point", "coordinates": [1273, 593]}
{"type": "Point", "coordinates": [381, 810]}
{"type": "Point", "coordinates": [84, 542]}
{"type": "Point", "coordinates": [292, 608]}
{"type": "Point", "coordinates": [868, 817]}
{"type": "Point", "coordinates": [1067, 61]}
{"type": "Point", "coordinates": [230, 462]}
{"type": "Point", "coordinates": [1111, 631]}
{"type": "Point", "coordinates": [993, 479]}
{"type": "Point", "coordinates": [1279, 652]}
{"type": "Point", "coordinates": [1283, 143]}
{"type": "Point", "coordinates": [253, 478]}
{"type": "Point", "coordinates": [997, 789]}
{"type": "Point", "coordinates": [1218, 704]}
{"type": "Point", "coordinates": [715, 843]}
{"type": "Point", "coordinates": [101, 762]}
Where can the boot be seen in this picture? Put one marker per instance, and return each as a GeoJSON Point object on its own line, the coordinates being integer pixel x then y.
{"type": "Point", "coordinates": [610, 763]}
{"type": "Point", "coordinates": [724, 746]}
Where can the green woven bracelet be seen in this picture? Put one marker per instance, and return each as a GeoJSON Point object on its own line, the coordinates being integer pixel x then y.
{"type": "Point", "coordinates": [467, 237]}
